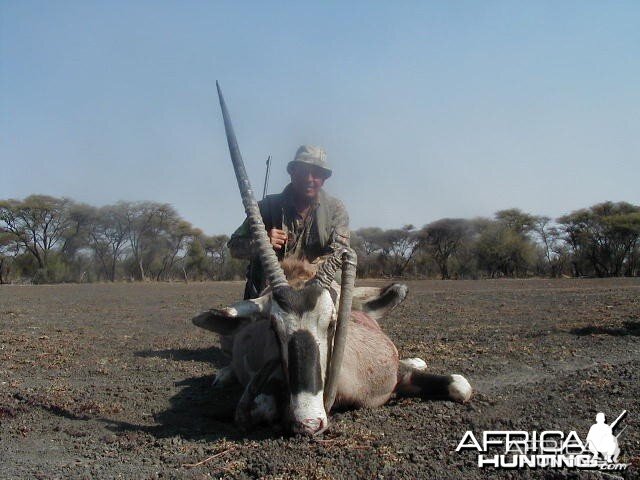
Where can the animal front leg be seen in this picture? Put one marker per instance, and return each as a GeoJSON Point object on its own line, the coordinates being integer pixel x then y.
{"type": "Point", "coordinates": [256, 405]}
{"type": "Point", "coordinates": [225, 376]}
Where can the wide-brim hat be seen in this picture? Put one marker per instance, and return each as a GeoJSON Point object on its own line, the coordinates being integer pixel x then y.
{"type": "Point", "coordinates": [311, 155]}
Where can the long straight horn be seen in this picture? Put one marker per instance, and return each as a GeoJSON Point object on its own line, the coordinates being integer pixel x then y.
{"type": "Point", "coordinates": [267, 256]}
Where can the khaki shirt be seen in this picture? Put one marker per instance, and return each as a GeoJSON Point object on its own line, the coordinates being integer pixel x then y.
{"type": "Point", "coordinates": [325, 229]}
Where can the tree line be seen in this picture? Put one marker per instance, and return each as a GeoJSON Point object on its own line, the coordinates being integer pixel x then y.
{"type": "Point", "coordinates": [45, 239]}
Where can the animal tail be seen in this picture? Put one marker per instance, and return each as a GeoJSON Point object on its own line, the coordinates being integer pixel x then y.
{"type": "Point", "coordinates": [414, 381]}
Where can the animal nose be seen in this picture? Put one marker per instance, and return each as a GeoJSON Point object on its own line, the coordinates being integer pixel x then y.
{"type": "Point", "coordinates": [310, 426]}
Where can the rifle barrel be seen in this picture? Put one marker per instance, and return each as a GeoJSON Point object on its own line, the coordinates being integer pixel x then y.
{"type": "Point", "coordinates": [266, 178]}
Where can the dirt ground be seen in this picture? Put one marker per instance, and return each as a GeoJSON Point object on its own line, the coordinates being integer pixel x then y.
{"type": "Point", "coordinates": [113, 381]}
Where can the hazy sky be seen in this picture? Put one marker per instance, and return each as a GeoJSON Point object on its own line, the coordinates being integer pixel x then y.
{"type": "Point", "coordinates": [426, 109]}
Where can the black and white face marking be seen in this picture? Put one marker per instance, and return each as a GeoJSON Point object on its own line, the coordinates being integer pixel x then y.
{"type": "Point", "coordinates": [301, 319]}
{"type": "Point", "coordinates": [298, 301]}
{"type": "Point", "coordinates": [305, 373]}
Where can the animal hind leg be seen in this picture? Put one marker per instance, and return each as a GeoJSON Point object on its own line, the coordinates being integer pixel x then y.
{"type": "Point", "coordinates": [413, 363]}
{"type": "Point", "coordinates": [413, 380]}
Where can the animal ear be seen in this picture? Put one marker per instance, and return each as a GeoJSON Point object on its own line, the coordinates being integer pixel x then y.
{"type": "Point", "coordinates": [229, 319]}
{"type": "Point", "coordinates": [223, 322]}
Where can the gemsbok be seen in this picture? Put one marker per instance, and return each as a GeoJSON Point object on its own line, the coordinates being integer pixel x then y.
{"type": "Point", "coordinates": [300, 349]}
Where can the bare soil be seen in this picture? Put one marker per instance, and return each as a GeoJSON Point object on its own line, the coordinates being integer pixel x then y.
{"type": "Point", "coordinates": [113, 381]}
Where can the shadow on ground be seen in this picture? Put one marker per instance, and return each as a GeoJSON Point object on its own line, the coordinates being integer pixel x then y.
{"type": "Point", "coordinates": [627, 328]}
{"type": "Point", "coordinates": [197, 411]}
{"type": "Point", "coordinates": [213, 355]}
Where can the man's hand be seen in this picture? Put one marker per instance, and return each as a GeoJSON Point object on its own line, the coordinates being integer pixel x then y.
{"type": "Point", "coordinates": [278, 238]}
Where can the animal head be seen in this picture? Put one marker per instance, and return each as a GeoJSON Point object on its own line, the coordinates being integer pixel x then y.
{"type": "Point", "coordinates": [303, 323]}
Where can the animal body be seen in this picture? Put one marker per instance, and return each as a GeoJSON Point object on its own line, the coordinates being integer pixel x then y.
{"type": "Point", "coordinates": [371, 371]}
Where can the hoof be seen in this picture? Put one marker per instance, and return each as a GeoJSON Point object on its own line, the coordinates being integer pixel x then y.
{"type": "Point", "coordinates": [416, 363]}
{"type": "Point", "coordinates": [460, 389]}
{"type": "Point", "coordinates": [224, 377]}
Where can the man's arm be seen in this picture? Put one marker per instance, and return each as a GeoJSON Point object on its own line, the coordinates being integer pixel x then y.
{"type": "Point", "coordinates": [240, 244]}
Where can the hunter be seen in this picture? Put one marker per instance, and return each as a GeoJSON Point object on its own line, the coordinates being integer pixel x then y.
{"type": "Point", "coordinates": [303, 222]}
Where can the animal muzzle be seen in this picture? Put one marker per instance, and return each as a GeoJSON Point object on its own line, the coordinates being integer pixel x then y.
{"type": "Point", "coordinates": [307, 413]}
{"type": "Point", "coordinates": [310, 426]}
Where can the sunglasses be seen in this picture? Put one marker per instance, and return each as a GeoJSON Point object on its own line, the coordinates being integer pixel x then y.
{"type": "Point", "coordinates": [305, 171]}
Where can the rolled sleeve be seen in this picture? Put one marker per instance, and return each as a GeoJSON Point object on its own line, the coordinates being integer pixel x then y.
{"type": "Point", "coordinates": [240, 244]}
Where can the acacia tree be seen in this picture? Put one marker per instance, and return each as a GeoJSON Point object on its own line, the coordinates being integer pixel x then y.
{"type": "Point", "coordinates": [550, 238]}
{"type": "Point", "coordinates": [442, 238]}
{"type": "Point", "coordinates": [516, 220]}
{"type": "Point", "coordinates": [371, 239]}
{"type": "Point", "coordinates": [194, 260]}
{"type": "Point", "coordinates": [575, 236]}
{"type": "Point", "coordinates": [623, 234]}
{"type": "Point", "coordinates": [503, 247]}
{"type": "Point", "coordinates": [80, 217]}
{"type": "Point", "coordinates": [398, 247]}
{"type": "Point", "coordinates": [38, 223]}
{"type": "Point", "coordinates": [176, 234]}
{"type": "Point", "coordinates": [368, 244]}
{"type": "Point", "coordinates": [605, 236]}
{"type": "Point", "coordinates": [139, 217]}
{"type": "Point", "coordinates": [217, 255]}
{"type": "Point", "coordinates": [207, 257]}
{"type": "Point", "coordinates": [8, 246]}
{"type": "Point", "coordinates": [385, 252]}
{"type": "Point", "coordinates": [107, 237]}
{"type": "Point", "coordinates": [633, 262]}
{"type": "Point", "coordinates": [145, 221]}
